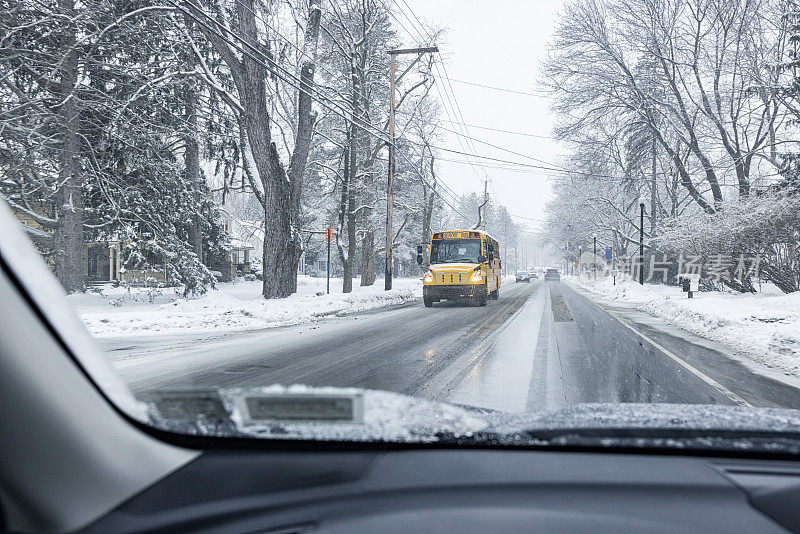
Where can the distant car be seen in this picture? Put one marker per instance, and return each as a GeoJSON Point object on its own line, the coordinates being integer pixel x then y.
{"type": "Point", "coordinates": [552, 275]}
{"type": "Point", "coordinates": [534, 275]}
{"type": "Point", "coordinates": [218, 276]}
{"type": "Point", "coordinates": [523, 276]}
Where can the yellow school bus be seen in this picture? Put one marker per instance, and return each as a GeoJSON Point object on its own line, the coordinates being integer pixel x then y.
{"type": "Point", "coordinates": [464, 264]}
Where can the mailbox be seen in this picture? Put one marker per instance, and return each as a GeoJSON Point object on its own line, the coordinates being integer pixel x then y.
{"type": "Point", "coordinates": [690, 282]}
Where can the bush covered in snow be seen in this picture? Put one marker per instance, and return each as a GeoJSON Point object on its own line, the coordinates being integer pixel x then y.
{"type": "Point", "coordinates": [766, 226]}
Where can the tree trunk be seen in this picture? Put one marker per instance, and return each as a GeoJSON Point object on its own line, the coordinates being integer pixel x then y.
{"type": "Point", "coordinates": [368, 255]}
{"type": "Point", "coordinates": [305, 132]}
{"type": "Point", "coordinates": [368, 240]}
{"type": "Point", "coordinates": [351, 216]}
{"type": "Point", "coordinates": [352, 166]}
{"type": "Point", "coordinates": [69, 198]}
{"type": "Point", "coordinates": [426, 217]}
{"type": "Point", "coordinates": [344, 221]}
{"type": "Point", "coordinates": [192, 165]}
{"type": "Point", "coordinates": [282, 244]}
{"type": "Point", "coordinates": [276, 190]}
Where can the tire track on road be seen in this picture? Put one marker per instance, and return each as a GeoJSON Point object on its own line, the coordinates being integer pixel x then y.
{"type": "Point", "coordinates": [444, 381]}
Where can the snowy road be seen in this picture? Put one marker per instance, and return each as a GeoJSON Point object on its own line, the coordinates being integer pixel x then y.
{"type": "Point", "coordinates": [540, 346]}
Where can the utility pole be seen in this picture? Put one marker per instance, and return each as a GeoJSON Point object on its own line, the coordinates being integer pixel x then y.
{"type": "Point", "coordinates": [390, 189]}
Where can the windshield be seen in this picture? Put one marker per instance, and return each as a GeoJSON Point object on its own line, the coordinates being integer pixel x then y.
{"type": "Point", "coordinates": [270, 215]}
{"type": "Point", "coordinates": [455, 250]}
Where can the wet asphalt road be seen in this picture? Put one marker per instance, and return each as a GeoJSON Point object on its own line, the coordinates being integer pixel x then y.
{"type": "Point", "coordinates": [542, 345]}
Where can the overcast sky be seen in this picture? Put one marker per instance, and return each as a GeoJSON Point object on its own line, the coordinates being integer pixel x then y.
{"type": "Point", "coordinates": [499, 43]}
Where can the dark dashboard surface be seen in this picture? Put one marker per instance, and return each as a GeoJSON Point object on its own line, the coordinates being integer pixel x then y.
{"type": "Point", "coordinates": [464, 491]}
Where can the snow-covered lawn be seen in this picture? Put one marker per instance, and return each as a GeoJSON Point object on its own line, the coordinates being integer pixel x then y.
{"type": "Point", "coordinates": [763, 326]}
{"type": "Point", "coordinates": [119, 312]}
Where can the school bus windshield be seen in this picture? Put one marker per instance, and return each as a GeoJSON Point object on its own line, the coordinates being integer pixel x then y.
{"type": "Point", "coordinates": [455, 250]}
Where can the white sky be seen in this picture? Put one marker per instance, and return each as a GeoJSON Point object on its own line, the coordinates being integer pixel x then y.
{"type": "Point", "coordinates": [500, 43]}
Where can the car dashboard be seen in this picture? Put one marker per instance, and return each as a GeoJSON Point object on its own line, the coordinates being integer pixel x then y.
{"type": "Point", "coordinates": [470, 490]}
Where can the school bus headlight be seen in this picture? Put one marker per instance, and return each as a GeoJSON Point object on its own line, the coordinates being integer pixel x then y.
{"type": "Point", "coordinates": [428, 278]}
{"type": "Point", "coordinates": [477, 276]}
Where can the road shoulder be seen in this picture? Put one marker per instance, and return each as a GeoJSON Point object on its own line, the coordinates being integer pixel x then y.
{"type": "Point", "coordinates": [751, 380]}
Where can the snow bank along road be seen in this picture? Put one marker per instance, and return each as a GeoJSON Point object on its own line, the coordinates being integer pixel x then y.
{"type": "Point", "coordinates": [540, 346]}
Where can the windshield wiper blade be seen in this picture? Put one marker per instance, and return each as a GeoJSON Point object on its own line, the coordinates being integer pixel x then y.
{"type": "Point", "coordinates": [687, 439]}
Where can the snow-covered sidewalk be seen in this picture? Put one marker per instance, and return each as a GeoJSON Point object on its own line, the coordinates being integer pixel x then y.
{"type": "Point", "coordinates": [118, 312]}
{"type": "Point", "coordinates": [763, 326]}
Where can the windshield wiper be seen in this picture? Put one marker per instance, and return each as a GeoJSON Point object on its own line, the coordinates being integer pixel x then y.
{"type": "Point", "coordinates": [635, 438]}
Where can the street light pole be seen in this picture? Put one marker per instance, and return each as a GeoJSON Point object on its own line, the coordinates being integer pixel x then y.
{"type": "Point", "coordinates": [641, 243]}
{"type": "Point", "coordinates": [390, 188]}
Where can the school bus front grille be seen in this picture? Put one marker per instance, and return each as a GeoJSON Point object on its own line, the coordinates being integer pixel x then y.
{"type": "Point", "coordinates": [451, 278]}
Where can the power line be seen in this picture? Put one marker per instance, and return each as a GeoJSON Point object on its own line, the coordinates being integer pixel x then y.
{"type": "Point", "coordinates": [288, 41]}
{"type": "Point", "coordinates": [433, 189]}
{"type": "Point", "coordinates": [463, 125]}
{"type": "Point", "coordinates": [448, 90]}
{"type": "Point", "coordinates": [455, 104]}
{"type": "Point", "coordinates": [528, 218]}
{"type": "Point", "coordinates": [307, 89]}
{"type": "Point", "coordinates": [510, 168]}
{"type": "Point", "coordinates": [276, 66]}
{"type": "Point", "coordinates": [443, 96]}
{"type": "Point", "coordinates": [460, 116]}
{"type": "Point", "coordinates": [531, 172]}
{"type": "Point", "coordinates": [528, 165]}
{"type": "Point", "coordinates": [507, 131]}
{"type": "Point", "coordinates": [503, 89]}
{"type": "Point", "coordinates": [447, 188]}
{"type": "Point", "coordinates": [425, 36]}
{"type": "Point", "coordinates": [421, 25]}
{"type": "Point", "coordinates": [403, 26]}
{"type": "Point", "coordinates": [531, 166]}
{"type": "Point", "coordinates": [500, 148]}
{"type": "Point", "coordinates": [445, 99]}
